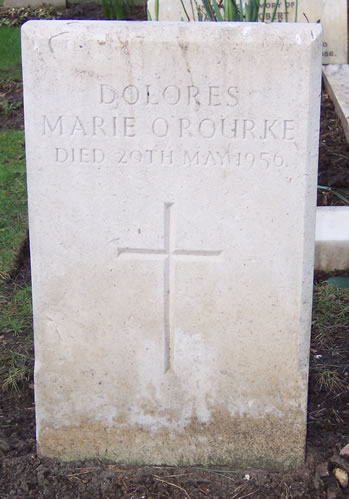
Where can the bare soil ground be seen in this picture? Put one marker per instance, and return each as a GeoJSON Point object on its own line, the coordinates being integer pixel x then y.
{"type": "Point", "coordinates": [333, 155]}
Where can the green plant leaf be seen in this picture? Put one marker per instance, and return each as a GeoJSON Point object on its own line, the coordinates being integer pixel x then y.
{"type": "Point", "coordinates": [339, 282]}
{"type": "Point", "coordinates": [217, 11]}
{"type": "Point", "coordinates": [241, 12]}
{"type": "Point", "coordinates": [116, 9]}
{"type": "Point", "coordinates": [263, 11]}
{"type": "Point", "coordinates": [247, 11]}
{"type": "Point", "coordinates": [209, 10]}
{"type": "Point", "coordinates": [228, 10]}
{"type": "Point", "coordinates": [185, 11]}
{"type": "Point", "coordinates": [251, 11]}
{"type": "Point", "coordinates": [274, 12]}
{"type": "Point", "coordinates": [296, 12]}
{"type": "Point", "coordinates": [335, 192]}
{"type": "Point", "coordinates": [255, 11]}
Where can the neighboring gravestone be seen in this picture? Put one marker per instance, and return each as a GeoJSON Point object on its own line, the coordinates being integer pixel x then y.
{"type": "Point", "coordinates": [172, 213]}
{"type": "Point", "coordinates": [332, 15]}
{"type": "Point", "coordinates": [336, 78]}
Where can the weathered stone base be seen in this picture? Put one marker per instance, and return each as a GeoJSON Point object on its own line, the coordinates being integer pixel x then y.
{"type": "Point", "coordinates": [268, 443]}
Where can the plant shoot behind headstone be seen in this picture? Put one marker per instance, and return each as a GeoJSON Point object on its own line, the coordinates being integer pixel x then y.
{"type": "Point", "coordinates": [228, 10]}
{"type": "Point", "coordinates": [237, 11]}
{"type": "Point", "coordinates": [117, 9]}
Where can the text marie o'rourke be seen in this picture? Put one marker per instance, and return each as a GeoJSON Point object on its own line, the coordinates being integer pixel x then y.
{"type": "Point", "coordinates": [160, 127]}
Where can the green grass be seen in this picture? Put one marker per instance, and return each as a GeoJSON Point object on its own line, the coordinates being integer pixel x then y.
{"type": "Point", "coordinates": [16, 343]}
{"type": "Point", "coordinates": [330, 338]}
{"type": "Point", "coordinates": [10, 53]}
{"type": "Point", "coordinates": [329, 378]}
{"type": "Point", "coordinates": [330, 312]}
{"type": "Point", "coordinates": [13, 202]}
{"type": "Point", "coordinates": [16, 315]}
{"type": "Point", "coordinates": [16, 353]}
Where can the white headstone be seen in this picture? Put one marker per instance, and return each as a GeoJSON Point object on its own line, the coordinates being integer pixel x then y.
{"type": "Point", "coordinates": [172, 214]}
{"type": "Point", "coordinates": [332, 15]}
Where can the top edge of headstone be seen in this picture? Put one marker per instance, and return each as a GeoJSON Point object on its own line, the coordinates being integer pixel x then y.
{"type": "Point", "coordinates": [308, 32]}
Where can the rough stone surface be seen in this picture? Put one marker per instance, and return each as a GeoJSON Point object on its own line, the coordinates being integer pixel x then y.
{"type": "Point", "coordinates": [337, 83]}
{"type": "Point", "coordinates": [172, 217]}
{"type": "Point", "coordinates": [332, 15]}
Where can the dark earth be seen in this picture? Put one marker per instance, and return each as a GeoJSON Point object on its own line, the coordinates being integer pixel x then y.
{"type": "Point", "coordinates": [25, 474]}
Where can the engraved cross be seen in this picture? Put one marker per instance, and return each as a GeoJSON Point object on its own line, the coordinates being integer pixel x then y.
{"type": "Point", "coordinates": [169, 254]}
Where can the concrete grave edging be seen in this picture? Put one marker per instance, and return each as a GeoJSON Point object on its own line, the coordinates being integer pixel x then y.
{"type": "Point", "coordinates": [332, 238]}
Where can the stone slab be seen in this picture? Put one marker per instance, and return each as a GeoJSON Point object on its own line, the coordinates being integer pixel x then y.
{"type": "Point", "coordinates": [332, 15]}
{"type": "Point", "coordinates": [172, 219]}
{"type": "Point", "coordinates": [332, 238]}
{"type": "Point", "coordinates": [336, 78]}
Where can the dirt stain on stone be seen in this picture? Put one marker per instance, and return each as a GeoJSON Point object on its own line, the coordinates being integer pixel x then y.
{"type": "Point", "coordinates": [270, 442]}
